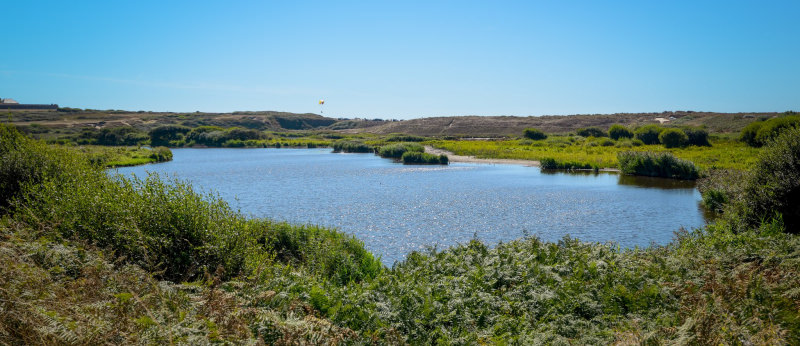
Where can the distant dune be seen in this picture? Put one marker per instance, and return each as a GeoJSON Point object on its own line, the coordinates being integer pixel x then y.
{"type": "Point", "coordinates": [70, 120]}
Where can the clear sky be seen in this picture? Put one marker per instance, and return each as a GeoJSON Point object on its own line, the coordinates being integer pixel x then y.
{"type": "Point", "coordinates": [404, 59]}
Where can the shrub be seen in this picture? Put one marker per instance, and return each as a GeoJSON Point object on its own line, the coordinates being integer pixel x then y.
{"type": "Point", "coordinates": [163, 135]}
{"type": "Point", "coordinates": [719, 187]}
{"type": "Point", "coordinates": [26, 162]}
{"type": "Point", "coordinates": [673, 138]}
{"type": "Point", "coordinates": [749, 133]}
{"type": "Point", "coordinates": [650, 164]}
{"type": "Point", "coordinates": [758, 133]}
{"type": "Point", "coordinates": [773, 127]}
{"type": "Point", "coordinates": [648, 134]}
{"type": "Point", "coordinates": [774, 185]}
{"type": "Point", "coordinates": [413, 157]}
{"type": "Point", "coordinates": [534, 134]}
{"type": "Point", "coordinates": [244, 134]}
{"type": "Point", "coordinates": [397, 150]}
{"type": "Point", "coordinates": [592, 132]}
{"type": "Point", "coordinates": [606, 142]}
{"type": "Point", "coordinates": [161, 154]}
{"type": "Point", "coordinates": [696, 136]}
{"type": "Point", "coordinates": [618, 131]}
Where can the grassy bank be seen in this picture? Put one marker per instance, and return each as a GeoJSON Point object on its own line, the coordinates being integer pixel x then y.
{"type": "Point", "coordinates": [92, 259]}
{"type": "Point", "coordinates": [723, 152]}
{"type": "Point", "coordinates": [107, 156]}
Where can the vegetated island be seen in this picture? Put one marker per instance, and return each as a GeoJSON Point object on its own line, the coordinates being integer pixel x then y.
{"type": "Point", "coordinates": [95, 258]}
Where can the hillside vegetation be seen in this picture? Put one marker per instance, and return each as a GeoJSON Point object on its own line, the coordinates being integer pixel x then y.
{"type": "Point", "coordinates": [92, 258]}
{"type": "Point", "coordinates": [68, 122]}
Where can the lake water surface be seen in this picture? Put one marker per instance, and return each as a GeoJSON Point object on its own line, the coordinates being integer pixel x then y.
{"type": "Point", "coordinates": [396, 208]}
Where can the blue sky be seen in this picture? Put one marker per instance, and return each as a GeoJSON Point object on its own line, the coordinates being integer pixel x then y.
{"type": "Point", "coordinates": [404, 59]}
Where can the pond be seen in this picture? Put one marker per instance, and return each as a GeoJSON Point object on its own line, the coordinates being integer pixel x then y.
{"type": "Point", "coordinates": [395, 209]}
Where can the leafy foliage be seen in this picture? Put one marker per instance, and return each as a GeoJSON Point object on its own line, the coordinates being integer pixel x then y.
{"type": "Point", "coordinates": [759, 133]}
{"type": "Point", "coordinates": [673, 138]}
{"type": "Point", "coordinates": [618, 131]}
{"type": "Point", "coordinates": [774, 185]}
{"type": "Point", "coordinates": [696, 136]}
{"type": "Point", "coordinates": [162, 135]}
{"type": "Point", "coordinates": [125, 135]}
{"type": "Point", "coordinates": [648, 134]}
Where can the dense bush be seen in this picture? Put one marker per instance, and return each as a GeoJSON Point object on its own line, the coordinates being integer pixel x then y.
{"type": "Point", "coordinates": [696, 136]}
{"type": "Point", "coordinates": [648, 134]}
{"type": "Point", "coordinates": [749, 132]}
{"type": "Point", "coordinates": [397, 150]}
{"type": "Point", "coordinates": [161, 154]}
{"type": "Point", "coordinates": [534, 134]}
{"type": "Point", "coordinates": [125, 135]}
{"type": "Point", "coordinates": [656, 165]}
{"type": "Point", "coordinates": [348, 146]}
{"type": "Point", "coordinates": [214, 136]}
{"type": "Point", "coordinates": [770, 129]}
{"type": "Point", "coordinates": [673, 138]}
{"type": "Point", "coordinates": [774, 185]}
{"type": "Point", "coordinates": [163, 135]}
{"type": "Point", "coordinates": [25, 162]}
{"type": "Point", "coordinates": [759, 133]}
{"type": "Point", "coordinates": [415, 157]}
{"type": "Point", "coordinates": [591, 132]}
{"type": "Point", "coordinates": [618, 131]}
{"type": "Point", "coordinates": [719, 187]}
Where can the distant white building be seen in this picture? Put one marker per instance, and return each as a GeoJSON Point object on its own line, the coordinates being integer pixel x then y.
{"type": "Point", "coordinates": [9, 101]}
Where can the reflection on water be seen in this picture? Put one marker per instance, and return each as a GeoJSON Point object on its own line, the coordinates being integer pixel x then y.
{"type": "Point", "coordinates": [396, 208]}
{"type": "Point", "coordinates": [660, 183]}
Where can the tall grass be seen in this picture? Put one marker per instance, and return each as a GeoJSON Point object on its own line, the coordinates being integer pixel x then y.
{"type": "Point", "coordinates": [397, 150]}
{"type": "Point", "coordinates": [350, 146]}
{"type": "Point", "coordinates": [650, 164]}
{"type": "Point", "coordinates": [415, 157]}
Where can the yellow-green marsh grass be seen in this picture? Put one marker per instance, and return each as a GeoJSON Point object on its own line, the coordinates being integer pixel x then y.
{"type": "Point", "coordinates": [122, 156]}
{"type": "Point", "coordinates": [723, 153]}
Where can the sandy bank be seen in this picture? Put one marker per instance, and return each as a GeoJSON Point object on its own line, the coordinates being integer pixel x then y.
{"type": "Point", "coordinates": [472, 159]}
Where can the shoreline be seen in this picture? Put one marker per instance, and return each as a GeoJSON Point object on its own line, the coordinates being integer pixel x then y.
{"type": "Point", "coordinates": [471, 159]}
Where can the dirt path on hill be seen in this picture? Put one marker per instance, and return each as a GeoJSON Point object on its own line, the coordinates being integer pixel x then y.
{"type": "Point", "coordinates": [472, 159]}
